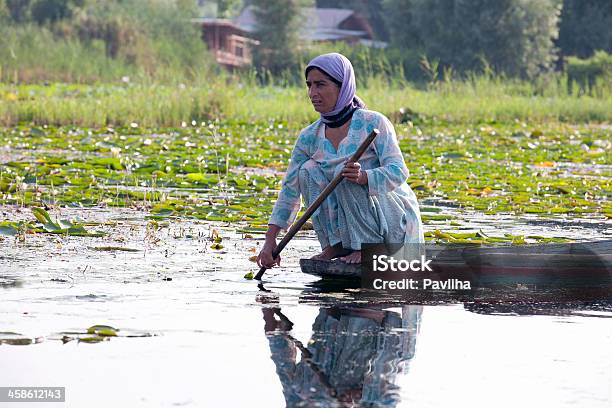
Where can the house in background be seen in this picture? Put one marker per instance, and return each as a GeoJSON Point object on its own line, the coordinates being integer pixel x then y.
{"type": "Point", "coordinates": [230, 45]}
{"type": "Point", "coordinates": [231, 40]}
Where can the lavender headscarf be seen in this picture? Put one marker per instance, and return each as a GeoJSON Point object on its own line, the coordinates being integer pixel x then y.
{"type": "Point", "coordinates": [338, 67]}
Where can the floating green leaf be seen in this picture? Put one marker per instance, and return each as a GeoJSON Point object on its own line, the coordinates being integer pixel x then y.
{"type": "Point", "coordinates": [102, 330]}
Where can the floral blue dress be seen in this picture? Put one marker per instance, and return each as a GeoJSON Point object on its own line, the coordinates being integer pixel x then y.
{"type": "Point", "coordinates": [385, 210]}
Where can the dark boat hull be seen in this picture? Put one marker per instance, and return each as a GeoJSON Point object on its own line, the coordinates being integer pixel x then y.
{"type": "Point", "coordinates": [581, 264]}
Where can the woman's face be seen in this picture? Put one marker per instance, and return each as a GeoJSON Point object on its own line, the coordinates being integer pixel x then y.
{"type": "Point", "coordinates": [323, 93]}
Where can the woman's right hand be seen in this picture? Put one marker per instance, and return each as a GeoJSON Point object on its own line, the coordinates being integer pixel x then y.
{"type": "Point", "coordinates": [265, 256]}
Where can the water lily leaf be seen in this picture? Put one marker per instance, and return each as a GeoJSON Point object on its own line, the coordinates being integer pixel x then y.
{"type": "Point", "coordinates": [536, 133]}
{"type": "Point", "coordinates": [106, 332]}
{"type": "Point", "coordinates": [252, 230]}
{"type": "Point", "coordinates": [102, 330]}
{"type": "Point", "coordinates": [467, 241]}
{"type": "Point", "coordinates": [441, 235]}
{"type": "Point", "coordinates": [93, 339]}
{"type": "Point", "coordinates": [65, 224]}
{"type": "Point", "coordinates": [108, 162]}
{"type": "Point", "coordinates": [418, 185]}
{"type": "Point", "coordinates": [436, 217]}
{"type": "Point", "coordinates": [41, 215]}
{"type": "Point", "coordinates": [77, 229]}
{"type": "Point", "coordinates": [113, 248]}
{"type": "Point", "coordinates": [430, 209]}
{"type": "Point", "coordinates": [8, 230]}
{"type": "Point", "coordinates": [37, 132]}
{"type": "Point", "coordinates": [52, 227]}
{"type": "Point", "coordinates": [16, 339]}
{"type": "Point", "coordinates": [481, 234]}
{"type": "Point", "coordinates": [462, 235]}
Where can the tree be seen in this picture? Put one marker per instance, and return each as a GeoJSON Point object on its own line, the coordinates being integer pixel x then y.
{"type": "Point", "coordinates": [226, 8]}
{"type": "Point", "coordinates": [585, 27]}
{"type": "Point", "coordinates": [513, 36]}
{"type": "Point", "coordinates": [277, 25]}
{"type": "Point", "coordinates": [19, 10]}
{"type": "Point", "coordinates": [403, 32]}
{"type": "Point", "coordinates": [52, 10]}
{"type": "Point", "coordinates": [41, 11]}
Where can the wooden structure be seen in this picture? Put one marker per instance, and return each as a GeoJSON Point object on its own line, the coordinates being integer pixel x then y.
{"type": "Point", "coordinates": [230, 45]}
{"type": "Point", "coordinates": [231, 41]}
{"type": "Point", "coordinates": [320, 25]}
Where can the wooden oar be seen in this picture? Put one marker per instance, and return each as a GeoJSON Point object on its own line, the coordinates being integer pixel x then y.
{"type": "Point", "coordinates": [316, 203]}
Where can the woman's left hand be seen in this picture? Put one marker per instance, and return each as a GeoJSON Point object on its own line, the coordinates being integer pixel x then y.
{"type": "Point", "coordinates": [352, 172]}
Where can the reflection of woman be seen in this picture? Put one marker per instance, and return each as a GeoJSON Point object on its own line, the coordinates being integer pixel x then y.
{"type": "Point", "coordinates": [352, 358]}
{"type": "Point", "coordinates": [374, 204]}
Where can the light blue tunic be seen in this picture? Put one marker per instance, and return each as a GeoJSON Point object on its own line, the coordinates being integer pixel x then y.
{"type": "Point", "coordinates": [386, 210]}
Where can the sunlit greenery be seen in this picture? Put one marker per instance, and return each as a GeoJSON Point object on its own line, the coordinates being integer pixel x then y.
{"type": "Point", "coordinates": [230, 171]}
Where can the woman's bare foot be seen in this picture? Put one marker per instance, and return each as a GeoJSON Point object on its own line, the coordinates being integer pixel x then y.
{"type": "Point", "coordinates": [330, 252]}
{"type": "Point", "coordinates": [352, 258]}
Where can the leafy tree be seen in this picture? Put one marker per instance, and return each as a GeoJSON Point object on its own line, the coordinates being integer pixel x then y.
{"type": "Point", "coordinates": [585, 27]}
{"type": "Point", "coordinates": [189, 7]}
{"type": "Point", "coordinates": [277, 25]}
{"type": "Point", "coordinates": [41, 11]}
{"type": "Point", "coordinates": [19, 10]}
{"type": "Point", "coordinates": [52, 10]}
{"type": "Point", "coordinates": [4, 13]}
{"type": "Point", "coordinates": [226, 8]}
{"type": "Point", "coordinates": [512, 36]}
{"type": "Point", "coordinates": [402, 28]}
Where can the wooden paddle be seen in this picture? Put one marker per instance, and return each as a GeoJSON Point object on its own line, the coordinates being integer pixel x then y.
{"type": "Point", "coordinates": [316, 203]}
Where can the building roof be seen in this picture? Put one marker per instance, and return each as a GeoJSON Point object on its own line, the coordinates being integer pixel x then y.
{"type": "Point", "coordinates": [321, 23]}
{"type": "Point", "coordinates": [215, 21]}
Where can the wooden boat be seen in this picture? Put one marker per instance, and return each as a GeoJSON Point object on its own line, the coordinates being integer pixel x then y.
{"type": "Point", "coordinates": [580, 263]}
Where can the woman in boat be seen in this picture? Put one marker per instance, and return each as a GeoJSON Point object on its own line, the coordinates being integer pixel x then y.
{"type": "Point", "coordinates": [374, 204]}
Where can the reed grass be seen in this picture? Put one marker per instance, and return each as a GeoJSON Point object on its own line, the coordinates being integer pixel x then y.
{"type": "Point", "coordinates": [155, 103]}
{"type": "Point", "coordinates": [76, 73]}
{"type": "Point", "coordinates": [46, 79]}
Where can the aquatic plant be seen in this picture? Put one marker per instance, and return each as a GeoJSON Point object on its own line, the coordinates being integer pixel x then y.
{"type": "Point", "coordinates": [230, 171]}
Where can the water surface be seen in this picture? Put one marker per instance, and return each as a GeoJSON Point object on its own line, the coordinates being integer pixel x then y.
{"type": "Point", "coordinates": [193, 332]}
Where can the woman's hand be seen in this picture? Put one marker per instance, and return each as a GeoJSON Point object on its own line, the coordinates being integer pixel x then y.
{"type": "Point", "coordinates": [352, 172]}
{"type": "Point", "coordinates": [265, 256]}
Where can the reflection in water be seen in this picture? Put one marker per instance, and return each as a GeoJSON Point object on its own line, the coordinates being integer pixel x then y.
{"type": "Point", "coordinates": [352, 358]}
{"type": "Point", "coordinates": [9, 282]}
{"type": "Point", "coordinates": [594, 308]}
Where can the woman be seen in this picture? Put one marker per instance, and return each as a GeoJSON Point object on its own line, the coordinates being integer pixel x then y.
{"type": "Point", "coordinates": [374, 204]}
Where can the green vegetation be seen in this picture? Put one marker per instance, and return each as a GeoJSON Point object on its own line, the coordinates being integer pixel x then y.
{"type": "Point", "coordinates": [45, 225]}
{"type": "Point", "coordinates": [102, 41]}
{"type": "Point", "coordinates": [480, 99]}
{"type": "Point", "coordinates": [231, 171]}
{"type": "Point", "coordinates": [118, 103]}
{"type": "Point", "coordinates": [585, 27]}
{"type": "Point", "coordinates": [592, 76]}
{"type": "Point", "coordinates": [277, 33]}
{"type": "Point", "coordinates": [514, 36]}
